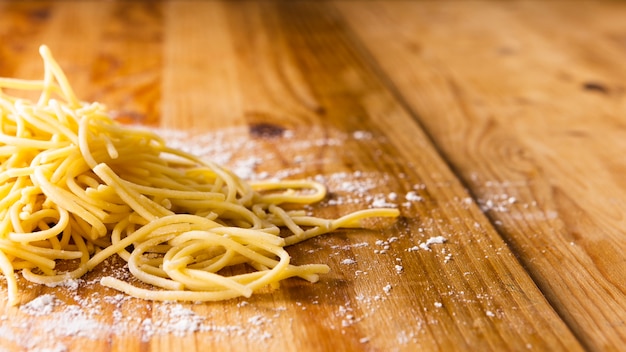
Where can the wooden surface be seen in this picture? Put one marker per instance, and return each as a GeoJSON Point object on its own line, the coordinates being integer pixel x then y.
{"type": "Point", "coordinates": [497, 125]}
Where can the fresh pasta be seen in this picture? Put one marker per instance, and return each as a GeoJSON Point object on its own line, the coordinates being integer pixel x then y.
{"type": "Point", "coordinates": [77, 186]}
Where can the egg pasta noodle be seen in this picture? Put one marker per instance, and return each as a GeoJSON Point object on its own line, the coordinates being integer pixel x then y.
{"type": "Point", "coordinates": [77, 186]}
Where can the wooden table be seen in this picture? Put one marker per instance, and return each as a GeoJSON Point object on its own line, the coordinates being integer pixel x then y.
{"type": "Point", "coordinates": [500, 126]}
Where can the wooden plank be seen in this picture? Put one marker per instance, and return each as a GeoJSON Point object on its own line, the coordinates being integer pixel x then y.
{"type": "Point", "coordinates": [342, 96]}
{"type": "Point", "coordinates": [281, 89]}
{"type": "Point", "coordinates": [525, 99]}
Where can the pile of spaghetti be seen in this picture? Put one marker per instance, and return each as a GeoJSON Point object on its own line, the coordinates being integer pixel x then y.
{"type": "Point", "coordinates": [78, 187]}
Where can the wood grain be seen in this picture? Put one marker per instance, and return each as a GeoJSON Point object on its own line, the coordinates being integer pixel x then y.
{"type": "Point", "coordinates": [526, 102]}
{"type": "Point", "coordinates": [349, 94]}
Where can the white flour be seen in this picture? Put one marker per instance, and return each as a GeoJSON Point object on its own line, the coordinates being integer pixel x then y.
{"type": "Point", "coordinates": [68, 312]}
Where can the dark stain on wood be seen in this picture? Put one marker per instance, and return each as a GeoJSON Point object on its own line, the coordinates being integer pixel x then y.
{"type": "Point", "coordinates": [595, 87]}
{"type": "Point", "coordinates": [266, 130]}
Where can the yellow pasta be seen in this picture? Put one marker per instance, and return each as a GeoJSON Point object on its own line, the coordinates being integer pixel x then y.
{"type": "Point", "coordinates": [77, 186]}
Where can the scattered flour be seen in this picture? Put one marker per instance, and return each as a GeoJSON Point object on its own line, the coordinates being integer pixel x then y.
{"type": "Point", "coordinates": [362, 135]}
{"type": "Point", "coordinates": [433, 240]}
{"type": "Point", "coordinates": [42, 305]}
{"type": "Point", "coordinates": [71, 284]}
{"type": "Point", "coordinates": [411, 196]}
{"type": "Point", "coordinates": [103, 315]}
